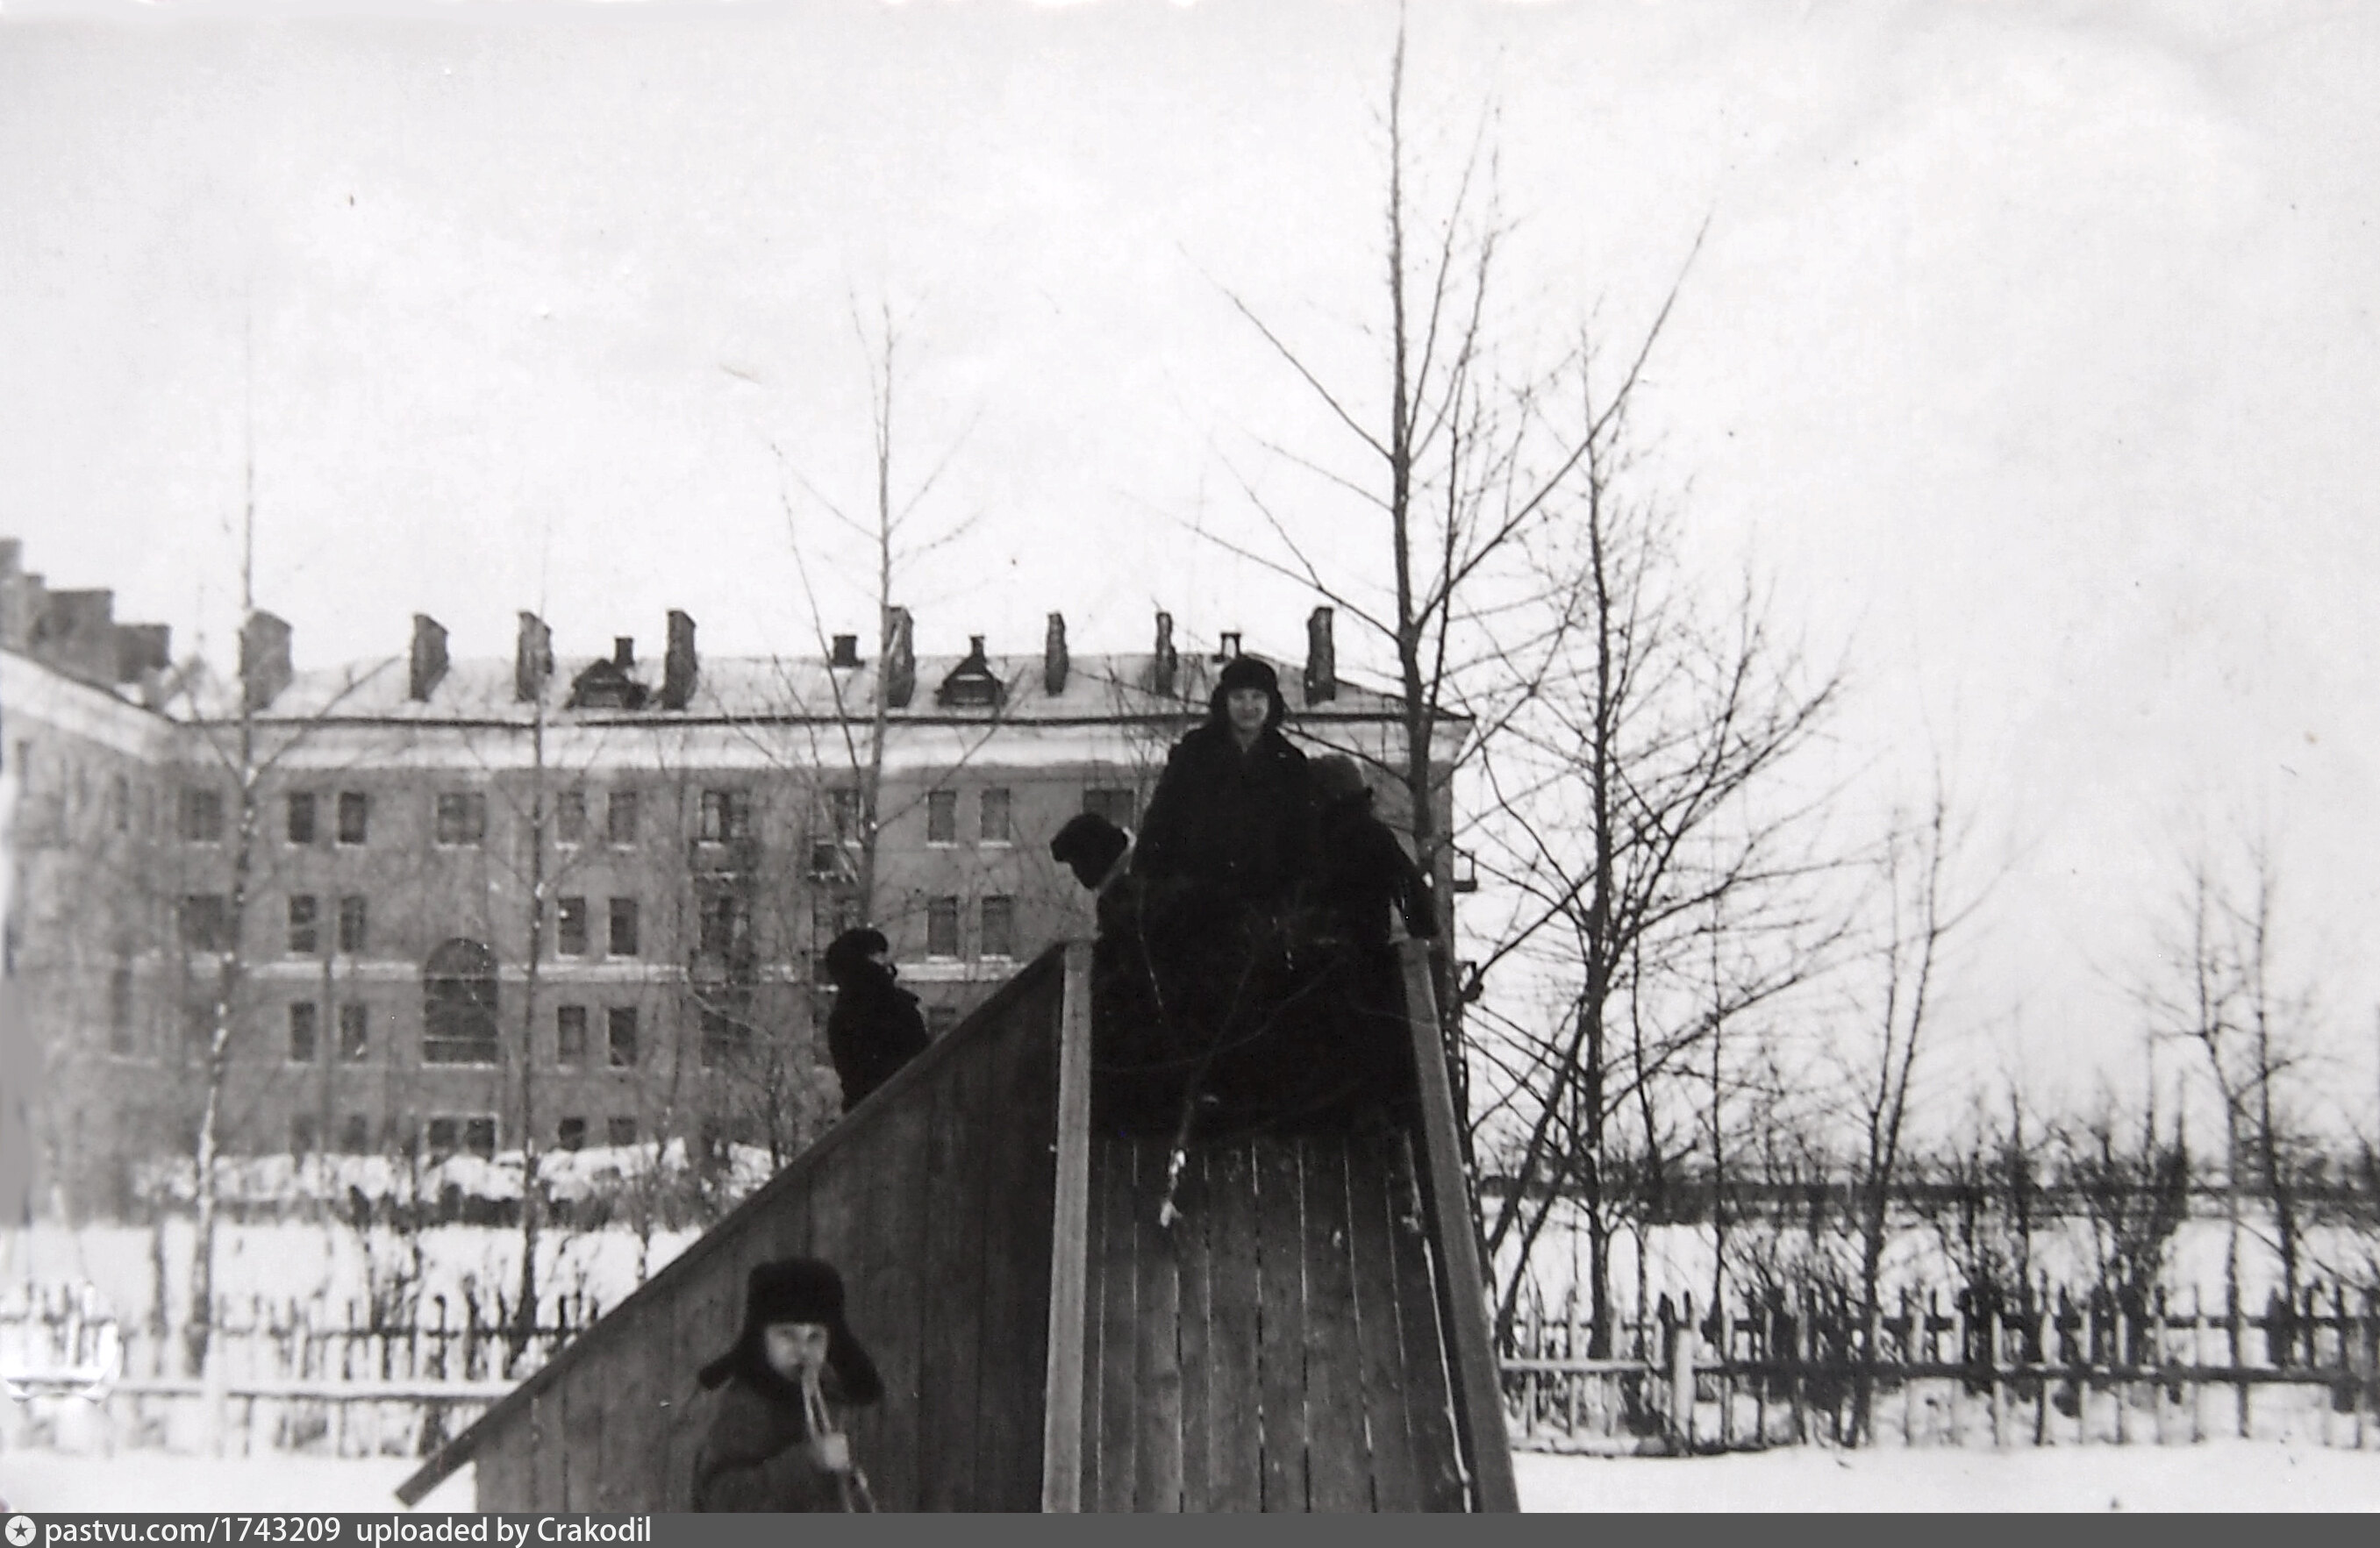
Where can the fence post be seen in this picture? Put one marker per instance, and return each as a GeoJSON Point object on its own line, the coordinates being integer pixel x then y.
{"type": "Point", "coordinates": [2232, 1322]}
{"type": "Point", "coordinates": [1726, 1382]}
{"type": "Point", "coordinates": [1995, 1350]}
{"type": "Point", "coordinates": [1682, 1375]}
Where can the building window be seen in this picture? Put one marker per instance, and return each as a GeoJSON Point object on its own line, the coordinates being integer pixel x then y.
{"type": "Point", "coordinates": [299, 815]}
{"type": "Point", "coordinates": [354, 1134]}
{"type": "Point", "coordinates": [355, 1033]}
{"type": "Point", "coordinates": [726, 924]}
{"type": "Point", "coordinates": [353, 920]}
{"type": "Point", "coordinates": [995, 816]}
{"type": "Point", "coordinates": [624, 928]}
{"type": "Point", "coordinates": [940, 1019]}
{"type": "Point", "coordinates": [726, 815]}
{"type": "Point", "coordinates": [449, 1134]}
{"type": "Point", "coordinates": [462, 819]}
{"type": "Point", "coordinates": [458, 1005]}
{"type": "Point", "coordinates": [570, 1035]}
{"type": "Point", "coordinates": [1111, 802]}
{"type": "Point", "coordinates": [998, 938]}
{"type": "Point", "coordinates": [301, 1134]}
{"type": "Point", "coordinates": [119, 1012]}
{"type": "Point", "coordinates": [621, 1131]}
{"type": "Point", "coordinates": [620, 1036]}
{"type": "Point", "coordinates": [840, 811]}
{"type": "Point", "coordinates": [942, 816]}
{"type": "Point", "coordinates": [620, 817]}
{"type": "Point", "coordinates": [303, 938]}
{"type": "Point", "coordinates": [305, 1032]}
{"type": "Point", "coordinates": [570, 821]}
{"type": "Point", "coordinates": [942, 927]}
{"type": "Point", "coordinates": [570, 926]}
{"type": "Point", "coordinates": [355, 816]}
{"type": "Point", "coordinates": [571, 1134]}
{"type": "Point", "coordinates": [201, 816]}
{"type": "Point", "coordinates": [199, 1032]}
{"type": "Point", "coordinates": [727, 1035]}
{"type": "Point", "coordinates": [206, 921]}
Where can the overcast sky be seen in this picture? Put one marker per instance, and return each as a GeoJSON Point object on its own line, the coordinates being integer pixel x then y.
{"type": "Point", "coordinates": [2031, 352]}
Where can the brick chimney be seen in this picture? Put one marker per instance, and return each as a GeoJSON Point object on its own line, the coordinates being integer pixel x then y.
{"type": "Point", "coordinates": [624, 651]}
{"type": "Point", "coordinates": [1227, 646]}
{"type": "Point", "coordinates": [900, 663]}
{"type": "Point", "coordinates": [1053, 656]}
{"type": "Point", "coordinates": [1163, 663]}
{"type": "Point", "coordinates": [142, 649]}
{"type": "Point", "coordinates": [1322, 659]}
{"type": "Point", "coordinates": [845, 652]}
{"type": "Point", "coordinates": [680, 668]}
{"type": "Point", "coordinates": [428, 660]}
{"type": "Point", "coordinates": [532, 659]}
{"type": "Point", "coordinates": [263, 658]}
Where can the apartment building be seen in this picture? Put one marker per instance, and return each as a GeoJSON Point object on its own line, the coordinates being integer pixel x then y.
{"type": "Point", "coordinates": [577, 899]}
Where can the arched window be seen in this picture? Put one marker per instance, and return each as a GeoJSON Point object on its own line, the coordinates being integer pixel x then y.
{"type": "Point", "coordinates": [458, 1005]}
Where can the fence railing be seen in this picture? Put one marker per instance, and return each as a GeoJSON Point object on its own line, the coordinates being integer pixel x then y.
{"type": "Point", "coordinates": [2049, 1368]}
{"type": "Point", "coordinates": [290, 1376]}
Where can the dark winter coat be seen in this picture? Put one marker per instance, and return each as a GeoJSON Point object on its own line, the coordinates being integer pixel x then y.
{"type": "Point", "coordinates": [757, 1456]}
{"type": "Point", "coordinates": [1363, 874]}
{"type": "Point", "coordinates": [1239, 826]}
{"type": "Point", "coordinates": [874, 1029]}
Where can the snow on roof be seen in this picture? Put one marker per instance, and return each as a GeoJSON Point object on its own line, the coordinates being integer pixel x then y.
{"type": "Point", "coordinates": [764, 688]}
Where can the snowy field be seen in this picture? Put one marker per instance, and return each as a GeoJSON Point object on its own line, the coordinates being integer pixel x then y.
{"type": "Point", "coordinates": [2219, 1476]}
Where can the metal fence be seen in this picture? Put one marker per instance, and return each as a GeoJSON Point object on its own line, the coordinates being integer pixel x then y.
{"type": "Point", "coordinates": [304, 1376]}
{"type": "Point", "coordinates": [2045, 1368]}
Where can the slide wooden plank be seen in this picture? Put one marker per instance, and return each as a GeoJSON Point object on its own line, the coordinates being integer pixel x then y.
{"type": "Point", "coordinates": [949, 1378]}
{"type": "Point", "coordinates": [1337, 1461]}
{"type": "Point", "coordinates": [1190, 1247]}
{"type": "Point", "coordinates": [1430, 1411]}
{"type": "Point", "coordinates": [1396, 1484]}
{"type": "Point", "coordinates": [1280, 1327]}
{"type": "Point", "coordinates": [1119, 1407]}
{"type": "Point", "coordinates": [1235, 1453]}
{"type": "Point", "coordinates": [1157, 1359]}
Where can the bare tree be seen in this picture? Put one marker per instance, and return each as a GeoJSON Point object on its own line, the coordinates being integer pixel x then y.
{"type": "Point", "coordinates": [2218, 989]}
{"type": "Point", "coordinates": [1896, 1014]}
{"type": "Point", "coordinates": [1455, 456]}
{"type": "Point", "coordinates": [245, 754]}
{"type": "Point", "coordinates": [889, 526]}
{"type": "Point", "coordinates": [1643, 819]}
{"type": "Point", "coordinates": [2134, 1192]}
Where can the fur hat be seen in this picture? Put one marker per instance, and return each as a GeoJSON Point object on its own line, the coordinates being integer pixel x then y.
{"type": "Point", "coordinates": [798, 1291]}
{"type": "Point", "coordinates": [1336, 779]}
{"type": "Point", "coordinates": [847, 957]}
{"type": "Point", "coordinates": [1090, 845]}
{"type": "Point", "coordinates": [1247, 672]}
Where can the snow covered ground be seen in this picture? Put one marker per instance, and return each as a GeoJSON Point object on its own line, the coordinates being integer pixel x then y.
{"type": "Point", "coordinates": [2255, 1476]}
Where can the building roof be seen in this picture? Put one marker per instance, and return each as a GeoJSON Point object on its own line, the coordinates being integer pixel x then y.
{"type": "Point", "coordinates": [480, 692]}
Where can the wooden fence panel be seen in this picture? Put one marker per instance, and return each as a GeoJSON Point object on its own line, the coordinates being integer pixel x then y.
{"type": "Point", "coordinates": [2055, 1369]}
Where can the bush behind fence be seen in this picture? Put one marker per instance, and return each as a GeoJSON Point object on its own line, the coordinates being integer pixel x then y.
{"type": "Point", "coordinates": [2042, 1367]}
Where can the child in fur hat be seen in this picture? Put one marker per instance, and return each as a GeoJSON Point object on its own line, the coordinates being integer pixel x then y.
{"type": "Point", "coordinates": [794, 1353]}
{"type": "Point", "coordinates": [875, 1027]}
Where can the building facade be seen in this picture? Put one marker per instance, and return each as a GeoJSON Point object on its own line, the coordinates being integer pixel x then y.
{"type": "Point", "coordinates": [455, 906]}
